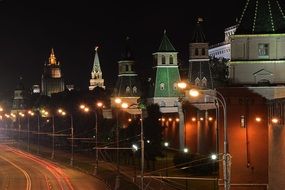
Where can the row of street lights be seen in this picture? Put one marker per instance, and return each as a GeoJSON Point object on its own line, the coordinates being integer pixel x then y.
{"type": "Point", "coordinates": [221, 100]}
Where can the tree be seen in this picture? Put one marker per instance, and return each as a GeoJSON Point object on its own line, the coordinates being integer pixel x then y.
{"type": "Point", "coordinates": [153, 135]}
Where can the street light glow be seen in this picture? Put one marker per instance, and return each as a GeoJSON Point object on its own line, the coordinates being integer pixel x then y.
{"type": "Point", "coordinates": [194, 93]}
{"type": "Point", "coordinates": [185, 150]}
{"type": "Point", "coordinates": [275, 120]}
{"type": "Point", "coordinates": [135, 147]}
{"type": "Point", "coordinates": [118, 100]}
{"type": "Point", "coordinates": [99, 104]}
{"type": "Point", "coordinates": [182, 85]}
{"type": "Point", "coordinates": [166, 144]}
{"type": "Point", "coordinates": [214, 156]}
{"type": "Point", "coordinates": [258, 119]}
{"type": "Point", "coordinates": [124, 105]}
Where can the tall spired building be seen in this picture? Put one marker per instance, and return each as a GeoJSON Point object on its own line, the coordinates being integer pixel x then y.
{"type": "Point", "coordinates": [166, 76]}
{"type": "Point", "coordinates": [128, 85]}
{"type": "Point", "coordinates": [96, 73]}
{"type": "Point", "coordinates": [199, 66]}
{"type": "Point", "coordinates": [257, 48]}
{"type": "Point", "coordinates": [52, 80]}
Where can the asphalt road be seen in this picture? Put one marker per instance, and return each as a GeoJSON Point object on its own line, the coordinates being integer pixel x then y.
{"type": "Point", "coordinates": [22, 171]}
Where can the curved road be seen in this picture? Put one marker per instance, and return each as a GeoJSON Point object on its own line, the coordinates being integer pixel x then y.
{"type": "Point", "coordinates": [22, 171]}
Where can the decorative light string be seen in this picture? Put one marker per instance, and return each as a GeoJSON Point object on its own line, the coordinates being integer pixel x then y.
{"type": "Point", "coordinates": [255, 15]}
{"type": "Point", "coordinates": [271, 18]}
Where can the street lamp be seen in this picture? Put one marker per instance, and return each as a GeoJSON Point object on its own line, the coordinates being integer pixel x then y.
{"type": "Point", "coordinates": [86, 109]}
{"type": "Point", "coordinates": [138, 107]}
{"type": "Point", "coordinates": [63, 113]}
{"type": "Point", "coordinates": [19, 127]}
{"type": "Point", "coordinates": [166, 144]}
{"type": "Point", "coordinates": [30, 113]}
{"type": "Point", "coordinates": [118, 102]}
{"type": "Point", "coordinates": [38, 137]}
{"type": "Point", "coordinates": [226, 156]}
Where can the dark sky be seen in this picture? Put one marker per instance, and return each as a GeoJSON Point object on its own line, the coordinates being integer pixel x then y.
{"type": "Point", "coordinates": [29, 29]}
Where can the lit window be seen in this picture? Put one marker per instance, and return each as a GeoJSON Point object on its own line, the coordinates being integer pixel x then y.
{"type": "Point", "coordinates": [263, 50]}
{"type": "Point", "coordinates": [174, 86]}
{"type": "Point", "coordinates": [135, 90]}
{"type": "Point", "coordinates": [128, 89]}
{"type": "Point", "coordinates": [162, 104]}
{"type": "Point", "coordinates": [204, 82]}
{"type": "Point", "coordinates": [161, 86]}
{"type": "Point", "coordinates": [197, 82]}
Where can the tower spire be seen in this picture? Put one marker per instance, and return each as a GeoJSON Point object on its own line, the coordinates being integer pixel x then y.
{"type": "Point", "coordinates": [96, 73]}
{"type": "Point", "coordinates": [52, 58]}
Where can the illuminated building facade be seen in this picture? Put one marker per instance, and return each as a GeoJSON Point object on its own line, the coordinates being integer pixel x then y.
{"type": "Point", "coordinates": [52, 80]}
{"type": "Point", "coordinates": [96, 73]}
{"type": "Point", "coordinates": [19, 103]}
{"type": "Point", "coordinates": [223, 50]}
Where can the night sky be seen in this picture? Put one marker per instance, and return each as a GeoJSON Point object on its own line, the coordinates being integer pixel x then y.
{"type": "Point", "coordinates": [29, 29]}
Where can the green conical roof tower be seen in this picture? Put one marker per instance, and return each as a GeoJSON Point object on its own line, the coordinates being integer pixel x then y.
{"type": "Point", "coordinates": [166, 75]}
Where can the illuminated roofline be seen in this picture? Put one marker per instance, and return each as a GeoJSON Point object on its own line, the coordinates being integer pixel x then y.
{"type": "Point", "coordinates": [257, 61]}
{"type": "Point", "coordinates": [256, 35]}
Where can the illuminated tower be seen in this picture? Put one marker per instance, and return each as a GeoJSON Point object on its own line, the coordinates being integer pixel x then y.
{"type": "Point", "coordinates": [128, 85]}
{"type": "Point", "coordinates": [52, 80]}
{"type": "Point", "coordinates": [199, 66]}
{"type": "Point", "coordinates": [165, 91]}
{"type": "Point", "coordinates": [96, 73]}
{"type": "Point", "coordinates": [200, 75]}
{"type": "Point", "coordinates": [20, 97]}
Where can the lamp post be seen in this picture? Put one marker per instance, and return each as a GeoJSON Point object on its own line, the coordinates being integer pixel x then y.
{"type": "Point", "coordinates": [134, 149]}
{"type": "Point", "coordinates": [19, 129]}
{"type": "Point", "coordinates": [226, 156]}
{"type": "Point", "coordinates": [52, 153]}
{"type": "Point", "coordinates": [38, 124]}
{"type": "Point", "coordinates": [63, 113]}
{"type": "Point", "coordinates": [142, 151]}
{"type": "Point", "coordinates": [46, 114]}
{"type": "Point", "coordinates": [166, 144]}
{"type": "Point", "coordinates": [118, 101]}
{"type": "Point", "coordinates": [86, 109]}
{"type": "Point", "coordinates": [30, 113]}
{"type": "Point", "coordinates": [125, 106]}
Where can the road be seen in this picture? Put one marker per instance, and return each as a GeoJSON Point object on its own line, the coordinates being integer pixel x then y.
{"type": "Point", "coordinates": [22, 171]}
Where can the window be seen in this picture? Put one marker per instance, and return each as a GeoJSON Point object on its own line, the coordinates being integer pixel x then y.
{"type": "Point", "coordinates": [263, 50]}
{"type": "Point", "coordinates": [135, 90]}
{"type": "Point", "coordinates": [162, 104]}
{"type": "Point", "coordinates": [197, 82]}
{"type": "Point", "coordinates": [204, 82]}
{"type": "Point", "coordinates": [127, 67]}
{"type": "Point", "coordinates": [175, 86]}
{"type": "Point", "coordinates": [171, 59]}
{"type": "Point", "coordinates": [203, 51]}
{"type": "Point", "coordinates": [161, 86]}
{"type": "Point", "coordinates": [196, 51]}
{"type": "Point", "coordinates": [163, 59]}
{"type": "Point", "coordinates": [128, 89]}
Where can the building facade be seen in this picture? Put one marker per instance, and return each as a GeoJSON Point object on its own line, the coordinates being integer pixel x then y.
{"type": "Point", "coordinates": [128, 85]}
{"type": "Point", "coordinates": [52, 79]}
